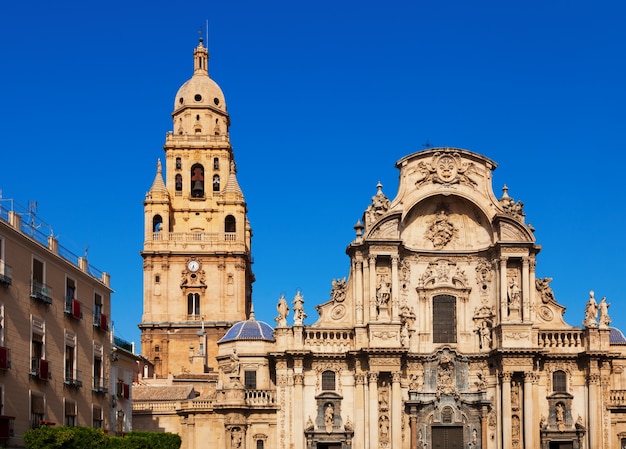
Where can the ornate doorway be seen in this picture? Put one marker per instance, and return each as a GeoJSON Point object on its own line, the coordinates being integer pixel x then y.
{"type": "Point", "coordinates": [447, 437]}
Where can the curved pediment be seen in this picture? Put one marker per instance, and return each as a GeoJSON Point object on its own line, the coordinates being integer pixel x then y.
{"type": "Point", "coordinates": [510, 230]}
{"type": "Point", "coordinates": [446, 223]}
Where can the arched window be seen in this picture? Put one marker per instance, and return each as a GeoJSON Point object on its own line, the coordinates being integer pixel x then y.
{"type": "Point", "coordinates": [559, 381]}
{"type": "Point", "coordinates": [230, 224]}
{"type": "Point", "coordinates": [444, 319]}
{"type": "Point", "coordinates": [179, 182]}
{"type": "Point", "coordinates": [328, 380]}
{"type": "Point", "coordinates": [193, 304]}
{"type": "Point", "coordinates": [179, 164]}
{"type": "Point", "coordinates": [216, 183]}
{"type": "Point", "coordinates": [197, 181]}
{"type": "Point", "coordinates": [157, 222]}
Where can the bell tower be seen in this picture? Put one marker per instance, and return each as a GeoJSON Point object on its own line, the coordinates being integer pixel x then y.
{"type": "Point", "coordinates": [197, 239]}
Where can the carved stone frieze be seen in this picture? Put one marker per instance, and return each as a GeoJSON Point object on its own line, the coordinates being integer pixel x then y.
{"type": "Point", "coordinates": [441, 230]}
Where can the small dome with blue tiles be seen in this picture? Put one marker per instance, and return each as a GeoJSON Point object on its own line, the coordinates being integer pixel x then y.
{"type": "Point", "coordinates": [249, 330]}
{"type": "Point", "coordinates": [616, 337]}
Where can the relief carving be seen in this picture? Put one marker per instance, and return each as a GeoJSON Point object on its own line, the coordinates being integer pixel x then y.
{"type": "Point", "coordinates": [379, 206]}
{"type": "Point", "coordinates": [511, 208]}
{"type": "Point", "coordinates": [441, 230]}
{"type": "Point", "coordinates": [447, 168]}
{"type": "Point", "coordinates": [544, 291]}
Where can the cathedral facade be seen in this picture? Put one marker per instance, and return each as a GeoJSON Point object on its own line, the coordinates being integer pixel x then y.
{"type": "Point", "coordinates": [442, 335]}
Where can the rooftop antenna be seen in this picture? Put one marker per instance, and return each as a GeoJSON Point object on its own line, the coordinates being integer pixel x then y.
{"type": "Point", "coordinates": [207, 34]}
{"type": "Point", "coordinates": [427, 144]}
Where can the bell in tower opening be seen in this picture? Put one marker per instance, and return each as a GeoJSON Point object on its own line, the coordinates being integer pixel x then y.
{"type": "Point", "coordinates": [197, 181]}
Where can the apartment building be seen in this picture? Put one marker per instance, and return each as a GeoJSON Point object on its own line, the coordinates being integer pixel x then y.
{"type": "Point", "coordinates": [55, 345]}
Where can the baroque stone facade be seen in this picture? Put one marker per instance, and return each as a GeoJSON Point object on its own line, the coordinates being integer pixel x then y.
{"type": "Point", "coordinates": [441, 336]}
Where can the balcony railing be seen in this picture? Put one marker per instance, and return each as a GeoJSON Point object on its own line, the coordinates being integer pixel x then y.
{"type": "Point", "coordinates": [561, 339]}
{"type": "Point", "coordinates": [74, 378]}
{"type": "Point", "coordinates": [73, 307]}
{"type": "Point", "coordinates": [260, 397]}
{"type": "Point", "coordinates": [6, 273]}
{"type": "Point", "coordinates": [100, 385]}
{"type": "Point", "coordinates": [41, 292]}
{"type": "Point", "coordinates": [39, 369]}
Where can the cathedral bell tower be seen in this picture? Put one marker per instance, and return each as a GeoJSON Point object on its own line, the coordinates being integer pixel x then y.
{"type": "Point", "coordinates": [197, 239]}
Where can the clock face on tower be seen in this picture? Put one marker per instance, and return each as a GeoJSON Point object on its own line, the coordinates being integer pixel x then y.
{"type": "Point", "coordinates": [193, 265]}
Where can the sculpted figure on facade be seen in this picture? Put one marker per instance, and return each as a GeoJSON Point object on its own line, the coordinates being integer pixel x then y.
{"type": "Point", "coordinates": [544, 290]}
{"type": "Point", "coordinates": [559, 414]}
{"type": "Point", "coordinates": [338, 290]}
{"type": "Point", "coordinates": [441, 230]}
{"type": "Point", "coordinates": [404, 336]}
{"type": "Point", "coordinates": [512, 208]}
{"type": "Point", "coordinates": [283, 311]}
{"type": "Point", "coordinates": [604, 319]}
{"type": "Point", "coordinates": [446, 384]}
{"type": "Point", "coordinates": [329, 416]}
{"type": "Point", "coordinates": [383, 425]}
{"type": "Point", "coordinates": [416, 382]}
{"type": "Point", "coordinates": [484, 335]}
{"type": "Point", "coordinates": [591, 311]}
{"type": "Point", "coordinates": [298, 309]}
{"type": "Point", "coordinates": [379, 206]}
{"type": "Point", "coordinates": [515, 295]}
{"type": "Point", "coordinates": [383, 294]}
{"type": "Point", "coordinates": [447, 168]}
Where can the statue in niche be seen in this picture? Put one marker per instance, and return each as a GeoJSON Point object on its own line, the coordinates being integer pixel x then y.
{"type": "Point", "coordinates": [338, 290]}
{"type": "Point", "coordinates": [407, 315]}
{"type": "Point", "coordinates": [329, 417]}
{"type": "Point", "coordinates": [559, 414]}
{"type": "Point", "coordinates": [383, 426]}
{"type": "Point", "coordinates": [591, 312]}
{"type": "Point", "coordinates": [604, 320]}
{"type": "Point", "coordinates": [481, 384]}
{"type": "Point", "coordinates": [404, 336]}
{"type": "Point", "coordinates": [383, 294]}
{"type": "Point", "coordinates": [283, 311]}
{"type": "Point", "coordinates": [416, 382]}
{"type": "Point", "coordinates": [484, 335]}
{"type": "Point", "coordinates": [545, 291]}
{"type": "Point", "coordinates": [383, 396]}
{"type": "Point", "coordinates": [235, 437]}
{"type": "Point", "coordinates": [298, 309]}
{"type": "Point", "coordinates": [515, 295]}
{"type": "Point", "coordinates": [515, 394]}
{"type": "Point", "coordinates": [445, 376]}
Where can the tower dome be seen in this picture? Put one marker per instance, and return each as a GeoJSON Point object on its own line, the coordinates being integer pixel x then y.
{"type": "Point", "coordinates": [200, 95]}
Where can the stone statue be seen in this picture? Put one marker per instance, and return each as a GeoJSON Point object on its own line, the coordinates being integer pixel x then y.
{"type": "Point", "coordinates": [404, 336]}
{"type": "Point", "coordinates": [591, 312]}
{"type": "Point", "coordinates": [604, 320]}
{"type": "Point", "coordinates": [329, 416]}
{"type": "Point", "coordinates": [283, 311]}
{"type": "Point", "coordinates": [484, 335]}
{"type": "Point", "coordinates": [383, 425]}
{"type": "Point", "coordinates": [338, 291]}
{"type": "Point", "coordinates": [515, 294]}
{"type": "Point", "coordinates": [559, 413]}
{"type": "Point", "coordinates": [383, 396]}
{"type": "Point", "coordinates": [298, 309]}
{"type": "Point", "coordinates": [545, 291]}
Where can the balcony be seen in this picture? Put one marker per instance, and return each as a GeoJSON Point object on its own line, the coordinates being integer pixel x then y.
{"type": "Point", "coordinates": [39, 369]}
{"type": "Point", "coordinates": [41, 292]}
{"type": "Point", "coordinates": [73, 379]}
{"type": "Point", "coordinates": [6, 273]}
{"type": "Point", "coordinates": [571, 341]}
{"type": "Point", "coordinates": [72, 308]}
{"type": "Point", "coordinates": [100, 385]}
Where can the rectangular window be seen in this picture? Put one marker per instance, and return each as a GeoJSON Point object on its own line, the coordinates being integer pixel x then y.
{"type": "Point", "coordinates": [70, 294]}
{"type": "Point", "coordinates": [70, 413]}
{"type": "Point", "coordinates": [97, 308]}
{"type": "Point", "coordinates": [444, 319]}
{"type": "Point", "coordinates": [250, 380]}
{"type": "Point", "coordinates": [39, 290]}
{"type": "Point", "coordinates": [97, 417]}
{"type": "Point", "coordinates": [37, 348]}
{"type": "Point", "coordinates": [37, 408]}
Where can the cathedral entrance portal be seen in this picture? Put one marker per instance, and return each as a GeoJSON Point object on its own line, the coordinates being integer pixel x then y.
{"type": "Point", "coordinates": [447, 437]}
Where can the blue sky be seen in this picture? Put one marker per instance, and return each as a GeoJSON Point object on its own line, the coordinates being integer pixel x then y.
{"type": "Point", "coordinates": [324, 98]}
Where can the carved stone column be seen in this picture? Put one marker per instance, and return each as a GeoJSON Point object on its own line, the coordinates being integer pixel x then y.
{"type": "Point", "coordinates": [359, 290]}
{"type": "Point", "coordinates": [526, 289]}
{"type": "Point", "coordinates": [595, 414]}
{"type": "Point", "coordinates": [359, 412]}
{"type": "Point", "coordinates": [504, 306]}
{"type": "Point", "coordinates": [396, 411]}
{"type": "Point", "coordinates": [298, 418]}
{"type": "Point", "coordinates": [371, 299]}
{"type": "Point", "coordinates": [366, 290]}
{"type": "Point", "coordinates": [506, 410]}
{"type": "Point", "coordinates": [395, 299]}
{"type": "Point", "coordinates": [533, 289]}
{"type": "Point", "coordinates": [529, 417]}
{"type": "Point", "coordinates": [373, 406]}
{"type": "Point", "coordinates": [413, 426]}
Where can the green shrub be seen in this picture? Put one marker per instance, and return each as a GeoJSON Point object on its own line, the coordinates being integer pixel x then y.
{"type": "Point", "coordinates": [86, 437]}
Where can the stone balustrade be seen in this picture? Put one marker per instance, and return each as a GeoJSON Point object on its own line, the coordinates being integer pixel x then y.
{"type": "Point", "coordinates": [327, 340]}
{"type": "Point", "coordinates": [561, 339]}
